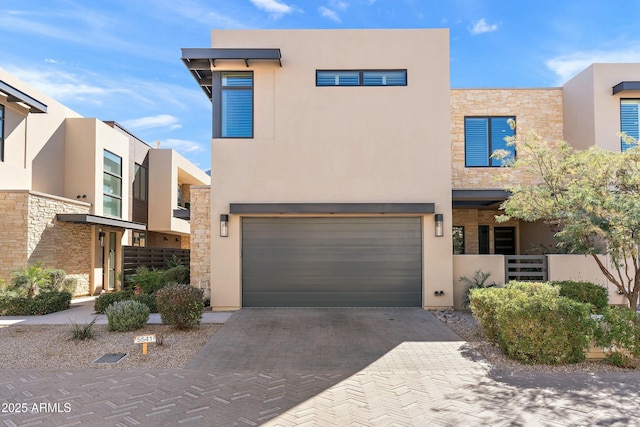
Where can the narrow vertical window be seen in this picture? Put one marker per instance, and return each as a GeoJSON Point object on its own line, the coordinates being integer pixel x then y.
{"type": "Point", "coordinates": [458, 239]}
{"type": "Point", "coordinates": [236, 105]}
{"type": "Point", "coordinates": [140, 182]}
{"type": "Point", "coordinates": [629, 121]}
{"type": "Point", "coordinates": [112, 185]}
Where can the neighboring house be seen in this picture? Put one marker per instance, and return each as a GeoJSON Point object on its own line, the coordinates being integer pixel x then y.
{"type": "Point", "coordinates": [332, 165]}
{"type": "Point", "coordinates": [74, 190]}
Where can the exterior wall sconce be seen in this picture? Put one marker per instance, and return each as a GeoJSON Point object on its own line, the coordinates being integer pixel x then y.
{"type": "Point", "coordinates": [439, 225]}
{"type": "Point", "coordinates": [224, 225]}
{"type": "Point", "coordinates": [101, 238]}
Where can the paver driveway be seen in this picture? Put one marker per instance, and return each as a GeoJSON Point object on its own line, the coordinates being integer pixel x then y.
{"type": "Point", "coordinates": [355, 367]}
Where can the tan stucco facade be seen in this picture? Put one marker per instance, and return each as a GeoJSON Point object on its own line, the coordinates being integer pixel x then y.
{"type": "Point", "coordinates": [337, 144]}
{"type": "Point", "coordinates": [591, 111]}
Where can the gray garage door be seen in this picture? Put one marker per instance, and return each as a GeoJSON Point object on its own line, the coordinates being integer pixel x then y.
{"type": "Point", "coordinates": [331, 262]}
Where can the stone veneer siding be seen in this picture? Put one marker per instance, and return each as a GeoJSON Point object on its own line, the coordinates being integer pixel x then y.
{"type": "Point", "coordinates": [201, 236]}
{"type": "Point", "coordinates": [534, 109]}
{"type": "Point", "coordinates": [33, 235]}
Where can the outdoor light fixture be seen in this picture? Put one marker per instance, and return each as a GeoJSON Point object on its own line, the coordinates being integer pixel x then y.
{"type": "Point", "coordinates": [101, 237]}
{"type": "Point", "coordinates": [439, 226]}
{"type": "Point", "coordinates": [224, 225]}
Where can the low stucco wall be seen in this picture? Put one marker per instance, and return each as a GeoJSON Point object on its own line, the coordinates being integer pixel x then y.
{"type": "Point", "coordinates": [467, 265]}
{"type": "Point", "coordinates": [582, 268]}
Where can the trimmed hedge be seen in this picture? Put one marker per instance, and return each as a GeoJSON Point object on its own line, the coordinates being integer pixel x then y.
{"type": "Point", "coordinates": [532, 323]}
{"type": "Point", "coordinates": [105, 300]}
{"type": "Point", "coordinates": [587, 292]}
{"type": "Point", "coordinates": [620, 330]}
{"type": "Point", "coordinates": [43, 303]}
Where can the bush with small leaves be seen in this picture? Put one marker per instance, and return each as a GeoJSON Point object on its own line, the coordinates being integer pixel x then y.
{"type": "Point", "coordinates": [177, 274]}
{"type": "Point", "coordinates": [70, 284]}
{"type": "Point", "coordinates": [128, 315]}
{"type": "Point", "coordinates": [180, 305]}
{"type": "Point", "coordinates": [588, 292]}
{"type": "Point", "coordinates": [149, 300]}
{"type": "Point", "coordinates": [55, 277]}
{"type": "Point", "coordinates": [43, 303]}
{"type": "Point", "coordinates": [149, 280]}
{"type": "Point", "coordinates": [620, 331]}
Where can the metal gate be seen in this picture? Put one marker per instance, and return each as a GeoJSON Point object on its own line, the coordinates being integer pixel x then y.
{"type": "Point", "coordinates": [526, 267]}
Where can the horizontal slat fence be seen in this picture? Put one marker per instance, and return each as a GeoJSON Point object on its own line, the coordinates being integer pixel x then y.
{"type": "Point", "coordinates": [135, 256]}
{"type": "Point", "coordinates": [525, 267]}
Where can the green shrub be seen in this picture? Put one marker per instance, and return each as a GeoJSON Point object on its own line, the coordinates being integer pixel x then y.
{"type": "Point", "coordinates": [620, 330]}
{"type": "Point", "coordinates": [105, 300]}
{"type": "Point", "coordinates": [541, 329]}
{"type": "Point", "coordinates": [28, 280]}
{"type": "Point", "coordinates": [177, 274]}
{"type": "Point", "coordinates": [478, 281]}
{"type": "Point", "coordinates": [128, 315]}
{"type": "Point", "coordinates": [149, 280]}
{"type": "Point", "coordinates": [83, 332]}
{"type": "Point", "coordinates": [588, 292]}
{"type": "Point", "coordinates": [532, 323]}
{"type": "Point", "coordinates": [180, 305]}
{"type": "Point", "coordinates": [43, 303]}
{"type": "Point", "coordinates": [149, 300]}
{"type": "Point", "coordinates": [55, 277]}
{"type": "Point", "coordinates": [70, 284]}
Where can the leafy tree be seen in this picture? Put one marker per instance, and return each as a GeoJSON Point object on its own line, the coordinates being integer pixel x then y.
{"type": "Point", "coordinates": [592, 195]}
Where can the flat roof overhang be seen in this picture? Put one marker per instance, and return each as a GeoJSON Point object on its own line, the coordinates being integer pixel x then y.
{"type": "Point", "coordinates": [16, 95]}
{"type": "Point", "coordinates": [201, 61]}
{"type": "Point", "coordinates": [101, 220]}
{"type": "Point", "coordinates": [332, 208]}
{"type": "Point", "coordinates": [623, 86]}
{"type": "Point", "coordinates": [478, 198]}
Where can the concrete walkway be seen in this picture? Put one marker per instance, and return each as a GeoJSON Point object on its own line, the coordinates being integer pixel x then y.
{"type": "Point", "coordinates": [322, 367]}
{"type": "Point", "coordinates": [81, 312]}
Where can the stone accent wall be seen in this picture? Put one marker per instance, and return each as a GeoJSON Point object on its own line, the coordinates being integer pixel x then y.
{"type": "Point", "coordinates": [470, 219]}
{"type": "Point", "coordinates": [535, 109]}
{"type": "Point", "coordinates": [57, 244]}
{"type": "Point", "coordinates": [13, 232]}
{"type": "Point", "coordinates": [201, 236]}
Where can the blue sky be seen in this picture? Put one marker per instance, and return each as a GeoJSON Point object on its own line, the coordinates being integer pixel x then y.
{"type": "Point", "coordinates": [120, 59]}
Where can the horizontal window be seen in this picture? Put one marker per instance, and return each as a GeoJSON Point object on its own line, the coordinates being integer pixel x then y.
{"type": "Point", "coordinates": [485, 135]}
{"type": "Point", "coordinates": [361, 77]}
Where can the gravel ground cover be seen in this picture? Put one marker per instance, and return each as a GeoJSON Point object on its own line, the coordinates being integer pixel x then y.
{"type": "Point", "coordinates": [463, 324]}
{"type": "Point", "coordinates": [50, 346]}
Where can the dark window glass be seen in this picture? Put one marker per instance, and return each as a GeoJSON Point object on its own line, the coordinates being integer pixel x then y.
{"type": "Point", "coordinates": [458, 240]}
{"type": "Point", "coordinates": [483, 239]}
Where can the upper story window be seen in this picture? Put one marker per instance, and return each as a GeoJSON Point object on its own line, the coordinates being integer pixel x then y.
{"type": "Point", "coordinates": [361, 77]}
{"type": "Point", "coordinates": [629, 120]}
{"type": "Point", "coordinates": [112, 185]}
{"type": "Point", "coordinates": [483, 136]}
{"type": "Point", "coordinates": [140, 182]}
{"type": "Point", "coordinates": [1, 133]}
{"type": "Point", "coordinates": [233, 104]}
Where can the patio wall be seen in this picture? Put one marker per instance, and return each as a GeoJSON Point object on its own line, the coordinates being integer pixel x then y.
{"type": "Point", "coordinates": [561, 267]}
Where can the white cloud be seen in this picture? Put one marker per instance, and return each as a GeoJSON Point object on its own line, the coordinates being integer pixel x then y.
{"type": "Point", "coordinates": [339, 4]}
{"type": "Point", "coordinates": [481, 26]}
{"type": "Point", "coordinates": [273, 7]}
{"type": "Point", "coordinates": [53, 61]}
{"type": "Point", "coordinates": [567, 66]}
{"type": "Point", "coordinates": [328, 13]}
{"type": "Point", "coordinates": [182, 145]}
{"type": "Point", "coordinates": [159, 121]}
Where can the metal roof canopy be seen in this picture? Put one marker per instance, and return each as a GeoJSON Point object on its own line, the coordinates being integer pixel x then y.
{"type": "Point", "coordinates": [101, 220]}
{"type": "Point", "coordinates": [480, 198]}
{"type": "Point", "coordinates": [16, 95]}
{"type": "Point", "coordinates": [201, 61]}
{"type": "Point", "coordinates": [622, 86]}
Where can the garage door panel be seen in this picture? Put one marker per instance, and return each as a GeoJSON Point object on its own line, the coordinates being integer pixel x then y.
{"type": "Point", "coordinates": [340, 261]}
{"type": "Point", "coordinates": [331, 299]}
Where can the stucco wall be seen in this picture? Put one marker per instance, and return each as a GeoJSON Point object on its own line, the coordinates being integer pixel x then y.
{"type": "Point", "coordinates": [467, 265]}
{"type": "Point", "coordinates": [338, 144]}
{"type": "Point", "coordinates": [535, 109]}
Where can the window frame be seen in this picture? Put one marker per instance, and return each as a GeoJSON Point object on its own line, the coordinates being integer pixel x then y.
{"type": "Point", "coordinates": [217, 89]}
{"type": "Point", "coordinates": [140, 186]}
{"type": "Point", "coordinates": [490, 144]}
{"type": "Point", "coordinates": [361, 77]}
{"type": "Point", "coordinates": [117, 178]}
{"type": "Point", "coordinates": [624, 146]}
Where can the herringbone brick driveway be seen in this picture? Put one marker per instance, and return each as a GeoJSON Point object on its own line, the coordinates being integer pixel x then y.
{"type": "Point", "coordinates": [317, 367]}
